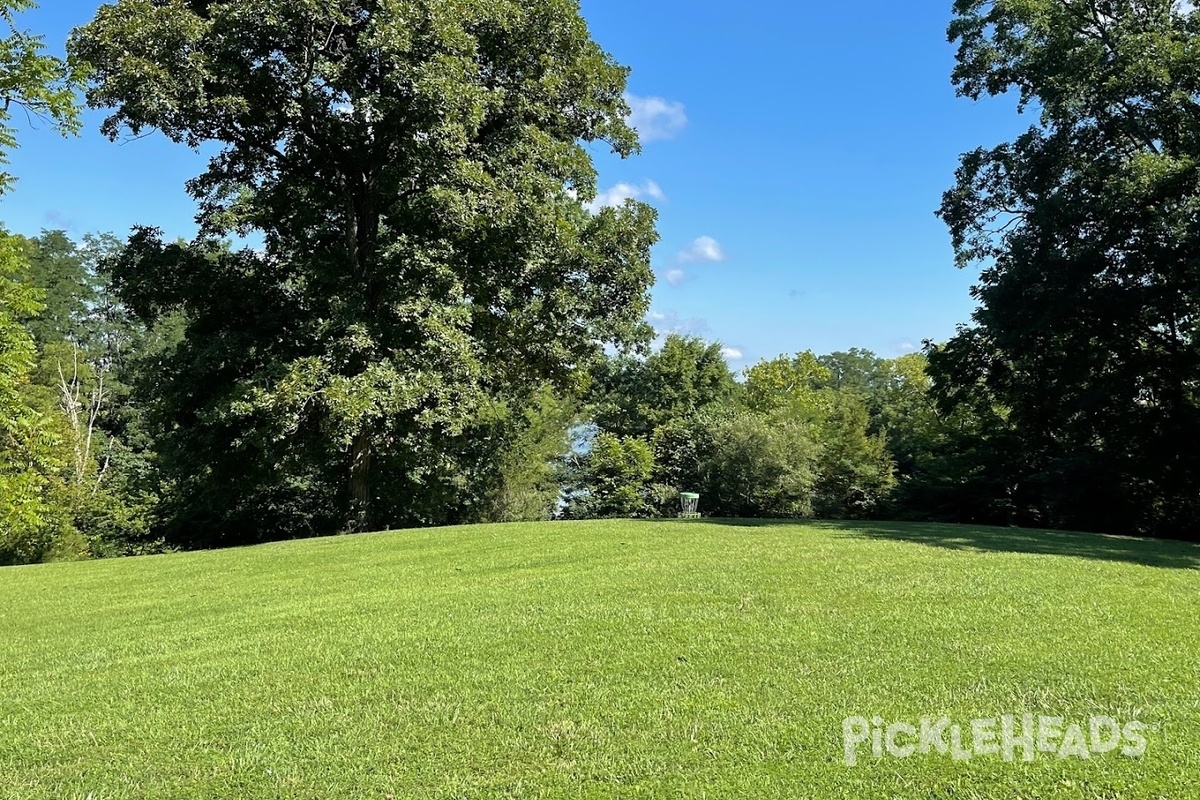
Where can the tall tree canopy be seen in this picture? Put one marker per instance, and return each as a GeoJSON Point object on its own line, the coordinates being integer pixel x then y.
{"type": "Point", "coordinates": [1088, 230]}
{"type": "Point", "coordinates": [57, 268]}
{"type": "Point", "coordinates": [417, 172]}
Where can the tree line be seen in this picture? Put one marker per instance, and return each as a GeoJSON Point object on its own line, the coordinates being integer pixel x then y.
{"type": "Point", "coordinates": [436, 329]}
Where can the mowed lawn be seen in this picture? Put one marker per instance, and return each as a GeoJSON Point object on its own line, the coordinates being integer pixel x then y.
{"type": "Point", "coordinates": [596, 660]}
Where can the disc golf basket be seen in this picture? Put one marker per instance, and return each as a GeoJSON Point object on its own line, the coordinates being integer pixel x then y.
{"type": "Point", "coordinates": [689, 505]}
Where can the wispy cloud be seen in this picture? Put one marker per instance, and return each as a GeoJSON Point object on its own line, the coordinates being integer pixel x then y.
{"type": "Point", "coordinates": [676, 277]}
{"type": "Point", "coordinates": [655, 118]}
{"type": "Point", "coordinates": [668, 322]}
{"type": "Point", "coordinates": [703, 249]}
{"type": "Point", "coordinates": [59, 220]}
{"type": "Point", "coordinates": [617, 195]}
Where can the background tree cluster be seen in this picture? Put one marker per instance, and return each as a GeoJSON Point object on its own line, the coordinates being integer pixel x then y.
{"type": "Point", "coordinates": [800, 436]}
{"type": "Point", "coordinates": [72, 355]}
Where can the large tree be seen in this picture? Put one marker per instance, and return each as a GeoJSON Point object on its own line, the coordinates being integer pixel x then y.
{"type": "Point", "coordinates": [416, 171]}
{"type": "Point", "coordinates": [1085, 346]}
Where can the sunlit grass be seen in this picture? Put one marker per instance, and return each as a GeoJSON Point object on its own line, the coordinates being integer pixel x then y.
{"type": "Point", "coordinates": [595, 660]}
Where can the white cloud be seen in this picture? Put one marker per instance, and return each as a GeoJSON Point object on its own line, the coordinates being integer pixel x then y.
{"type": "Point", "coordinates": [705, 248]}
{"type": "Point", "coordinates": [732, 353]}
{"type": "Point", "coordinates": [676, 277]}
{"type": "Point", "coordinates": [617, 195]}
{"type": "Point", "coordinates": [903, 348]}
{"type": "Point", "coordinates": [655, 118]}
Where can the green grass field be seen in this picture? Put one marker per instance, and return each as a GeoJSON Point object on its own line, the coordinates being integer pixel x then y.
{"type": "Point", "coordinates": [596, 660]}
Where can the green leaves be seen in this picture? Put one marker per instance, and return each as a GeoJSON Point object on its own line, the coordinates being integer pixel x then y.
{"type": "Point", "coordinates": [29, 440]}
{"type": "Point", "coordinates": [415, 170]}
{"type": "Point", "coordinates": [33, 85]}
{"type": "Point", "coordinates": [616, 478]}
{"type": "Point", "coordinates": [791, 384]}
{"type": "Point", "coordinates": [632, 397]}
{"type": "Point", "coordinates": [1084, 349]}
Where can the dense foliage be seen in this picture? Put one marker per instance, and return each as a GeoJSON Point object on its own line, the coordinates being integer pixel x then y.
{"type": "Point", "coordinates": [416, 172]}
{"type": "Point", "coordinates": [28, 440]}
{"type": "Point", "coordinates": [1083, 360]}
{"type": "Point", "coordinates": [793, 439]}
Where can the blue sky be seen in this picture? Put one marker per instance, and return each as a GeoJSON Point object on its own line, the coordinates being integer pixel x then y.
{"type": "Point", "coordinates": [796, 153]}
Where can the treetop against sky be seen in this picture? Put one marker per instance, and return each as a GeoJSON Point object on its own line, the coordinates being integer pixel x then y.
{"type": "Point", "coordinates": [796, 154]}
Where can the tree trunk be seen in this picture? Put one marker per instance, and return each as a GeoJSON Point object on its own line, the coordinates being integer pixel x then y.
{"type": "Point", "coordinates": [362, 232]}
{"type": "Point", "coordinates": [361, 457]}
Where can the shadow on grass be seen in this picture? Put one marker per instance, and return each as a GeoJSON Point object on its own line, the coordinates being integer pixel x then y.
{"type": "Point", "coordinates": [1147, 552]}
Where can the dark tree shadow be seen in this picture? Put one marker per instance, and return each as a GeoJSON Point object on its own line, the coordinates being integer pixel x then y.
{"type": "Point", "coordinates": [1163, 553]}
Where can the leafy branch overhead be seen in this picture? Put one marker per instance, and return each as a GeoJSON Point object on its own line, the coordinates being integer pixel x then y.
{"type": "Point", "coordinates": [35, 88]}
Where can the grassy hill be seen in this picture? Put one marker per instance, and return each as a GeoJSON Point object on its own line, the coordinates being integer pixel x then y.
{"type": "Point", "coordinates": [596, 660]}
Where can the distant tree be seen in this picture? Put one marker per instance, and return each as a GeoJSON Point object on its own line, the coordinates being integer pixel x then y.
{"type": "Point", "coordinates": [838, 401]}
{"type": "Point", "coordinates": [859, 371]}
{"type": "Point", "coordinates": [417, 172]}
{"type": "Point", "coordinates": [681, 449]}
{"type": "Point", "coordinates": [633, 397]}
{"type": "Point", "coordinates": [525, 484]}
{"type": "Point", "coordinates": [907, 410]}
{"type": "Point", "coordinates": [82, 377]}
{"type": "Point", "coordinates": [1085, 344]}
{"type": "Point", "coordinates": [796, 385]}
{"type": "Point", "coordinates": [687, 375]}
{"type": "Point", "coordinates": [855, 472]}
{"type": "Point", "coordinates": [59, 271]}
{"type": "Point", "coordinates": [756, 465]}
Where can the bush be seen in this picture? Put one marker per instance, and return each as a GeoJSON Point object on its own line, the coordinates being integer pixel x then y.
{"type": "Point", "coordinates": [743, 463]}
{"type": "Point", "coordinates": [759, 466]}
